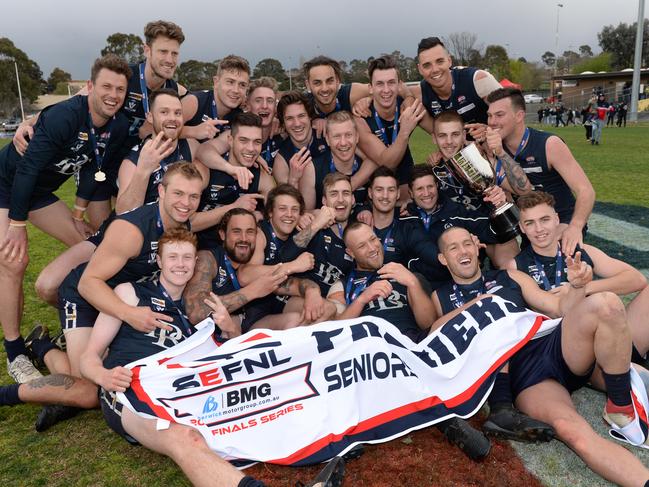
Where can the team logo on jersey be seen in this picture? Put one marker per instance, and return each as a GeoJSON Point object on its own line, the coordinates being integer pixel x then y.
{"type": "Point", "coordinates": [158, 302]}
{"type": "Point", "coordinates": [530, 159]}
{"type": "Point", "coordinates": [71, 166]}
{"type": "Point", "coordinates": [327, 239]}
{"type": "Point", "coordinates": [461, 98]}
{"type": "Point", "coordinates": [83, 136]}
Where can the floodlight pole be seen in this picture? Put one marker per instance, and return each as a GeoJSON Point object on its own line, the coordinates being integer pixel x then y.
{"type": "Point", "coordinates": [637, 61]}
{"type": "Point", "coordinates": [556, 48]}
{"type": "Point", "coordinates": [20, 95]}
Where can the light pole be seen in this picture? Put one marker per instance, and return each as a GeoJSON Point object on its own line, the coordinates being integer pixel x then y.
{"type": "Point", "coordinates": [20, 95]}
{"type": "Point", "coordinates": [637, 59]}
{"type": "Point", "coordinates": [556, 45]}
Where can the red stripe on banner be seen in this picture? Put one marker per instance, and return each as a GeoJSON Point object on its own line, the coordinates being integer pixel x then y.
{"type": "Point", "coordinates": [642, 414]}
{"type": "Point", "coordinates": [407, 409]}
{"type": "Point", "coordinates": [136, 385]}
{"type": "Point", "coordinates": [257, 336]}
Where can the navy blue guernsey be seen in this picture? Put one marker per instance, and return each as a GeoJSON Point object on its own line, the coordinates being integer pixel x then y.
{"type": "Point", "coordinates": [226, 281]}
{"type": "Point", "coordinates": [140, 268]}
{"type": "Point", "coordinates": [395, 308]}
{"type": "Point", "coordinates": [331, 260]}
{"type": "Point", "coordinates": [222, 189]}
{"type": "Point", "coordinates": [207, 110]}
{"type": "Point", "coordinates": [533, 159]}
{"type": "Point", "coordinates": [386, 134]}
{"type": "Point", "coordinates": [130, 345]}
{"type": "Point", "coordinates": [464, 99]}
{"type": "Point", "coordinates": [134, 104]}
{"type": "Point", "coordinates": [61, 146]}
{"type": "Point", "coordinates": [343, 101]}
{"type": "Point", "coordinates": [278, 250]}
{"type": "Point", "coordinates": [182, 153]}
{"type": "Point", "coordinates": [495, 282]}
{"type": "Point", "coordinates": [455, 191]}
{"type": "Point", "coordinates": [537, 266]}
{"type": "Point", "coordinates": [317, 147]}
{"type": "Point", "coordinates": [324, 165]}
{"type": "Point", "coordinates": [405, 241]}
{"type": "Point", "coordinates": [270, 148]}
{"type": "Point", "coordinates": [451, 214]}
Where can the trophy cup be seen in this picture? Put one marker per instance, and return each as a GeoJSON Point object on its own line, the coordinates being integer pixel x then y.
{"type": "Point", "coordinates": [471, 168]}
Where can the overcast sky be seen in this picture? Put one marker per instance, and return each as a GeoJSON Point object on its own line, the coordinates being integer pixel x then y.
{"type": "Point", "coordinates": [70, 34]}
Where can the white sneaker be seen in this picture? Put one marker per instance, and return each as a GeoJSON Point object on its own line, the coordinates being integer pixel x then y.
{"type": "Point", "coordinates": [22, 370]}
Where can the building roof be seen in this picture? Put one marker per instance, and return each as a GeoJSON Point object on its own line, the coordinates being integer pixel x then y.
{"type": "Point", "coordinates": [625, 73]}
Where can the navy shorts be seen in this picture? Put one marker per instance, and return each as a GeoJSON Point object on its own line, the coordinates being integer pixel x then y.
{"type": "Point", "coordinates": [111, 408]}
{"type": "Point", "coordinates": [75, 312]}
{"type": "Point", "coordinates": [542, 359]}
{"type": "Point", "coordinates": [35, 203]}
{"type": "Point", "coordinates": [259, 308]}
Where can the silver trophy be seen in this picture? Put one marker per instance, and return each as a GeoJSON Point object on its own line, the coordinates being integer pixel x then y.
{"type": "Point", "coordinates": [470, 168]}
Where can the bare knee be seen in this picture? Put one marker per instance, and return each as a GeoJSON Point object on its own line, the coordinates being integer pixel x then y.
{"type": "Point", "coordinates": [572, 433]}
{"type": "Point", "coordinates": [14, 268]}
{"type": "Point", "coordinates": [610, 309]}
{"type": "Point", "coordinates": [46, 287]}
{"type": "Point", "coordinates": [186, 439]}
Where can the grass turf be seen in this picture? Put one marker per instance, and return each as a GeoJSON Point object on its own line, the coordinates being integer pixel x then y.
{"type": "Point", "coordinates": [83, 451]}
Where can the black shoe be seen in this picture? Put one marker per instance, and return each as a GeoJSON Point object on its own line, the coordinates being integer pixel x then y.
{"type": "Point", "coordinates": [355, 452]}
{"type": "Point", "coordinates": [330, 476]}
{"type": "Point", "coordinates": [39, 331]}
{"type": "Point", "coordinates": [471, 441]}
{"type": "Point", "coordinates": [508, 423]}
{"type": "Point", "coordinates": [52, 414]}
{"type": "Point", "coordinates": [59, 341]}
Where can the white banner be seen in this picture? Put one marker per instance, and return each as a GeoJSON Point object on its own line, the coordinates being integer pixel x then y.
{"type": "Point", "coordinates": [303, 395]}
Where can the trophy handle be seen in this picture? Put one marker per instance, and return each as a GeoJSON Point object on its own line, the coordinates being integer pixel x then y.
{"type": "Point", "coordinates": [445, 181]}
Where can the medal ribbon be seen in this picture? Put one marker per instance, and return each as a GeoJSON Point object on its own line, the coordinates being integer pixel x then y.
{"type": "Point", "coordinates": [183, 318]}
{"type": "Point", "coordinates": [231, 272]}
{"type": "Point", "coordinates": [395, 127]}
{"type": "Point", "coordinates": [557, 273]}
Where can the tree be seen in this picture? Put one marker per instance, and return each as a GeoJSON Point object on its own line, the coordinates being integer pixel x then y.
{"type": "Point", "coordinates": [460, 45]}
{"type": "Point", "coordinates": [496, 61]}
{"type": "Point", "coordinates": [358, 71]}
{"type": "Point", "coordinates": [197, 75]}
{"type": "Point", "coordinates": [620, 42]}
{"type": "Point", "coordinates": [57, 76]}
{"type": "Point", "coordinates": [475, 58]}
{"type": "Point", "coordinates": [528, 75]}
{"type": "Point", "coordinates": [585, 51]}
{"type": "Point", "coordinates": [31, 77]}
{"type": "Point", "coordinates": [570, 58]}
{"type": "Point", "coordinates": [407, 66]}
{"type": "Point", "coordinates": [548, 58]}
{"type": "Point", "coordinates": [127, 46]}
{"type": "Point", "coordinates": [602, 62]}
{"type": "Point", "coordinates": [273, 68]}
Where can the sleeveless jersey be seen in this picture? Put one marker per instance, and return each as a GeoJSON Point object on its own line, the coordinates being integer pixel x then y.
{"type": "Point", "coordinates": [133, 105]}
{"type": "Point", "coordinates": [455, 191]}
{"type": "Point", "coordinates": [385, 135]}
{"type": "Point", "coordinates": [182, 153]}
{"type": "Point", "coordinates": [493, 282]}
{"type": "Point", "coordinates": [323, 165]}
{"type": "Point", "coordinates": [464, 99]}
{"type": "Point", "coordinates": [224, 282]}
{"type": "Point", "coordinates": [343, 101]}
{"type": "Point", "coordinates": [528, 261]}
{"type": "Point", "coordinates": [270, 148]}
{"type": "Point", "coordinates": [130, 345]}
{"type": "Point", "coordinates": [317, 147]}
{"type": "Point", "coordinates": [331, 260]}
{"type": "Point", "coordinates": [207, 110]}
{"type": "Point", "coordinates": [533, 160]}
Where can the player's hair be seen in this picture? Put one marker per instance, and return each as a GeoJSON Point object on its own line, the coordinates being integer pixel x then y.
{"type": "Point", "coordinates": [245, 119]}
{"type": "Point", "coordinates": [440, 239]}
{"type": "Point", "coordinates": [381, 172]}
{"type": "Point", "coordinates": [332, 178]}
{"type": "Point", "coordinates": [322, 61]}
{"type": "Point", "coordinates": [176, 235]}
{"type": "Point", "coordinates": [341, 116]}
{"type": "Point", "coordinates": [535, 198]}
{"type": "Point", "coordinates": [153, 30]}
{"type": "Point", "coordinates": [282, 190]}
{"type": "Point", "coordinates": [185, 168]}
{"type": "Point", "coordinates": [355, 225]}
{"type": "Point", "coordinates": [514, 94]}
{"type": "Point", "coordinates": [428, 43]}
{"type": "Point", "coordinates": [111, 62]}
{"type": "Point", "coordinates": [420, 171]}
{"type": "Point", "coordinates": [223, 225]}
{"type": "Point", "coordinates": [163, 91]}
{"type": "Point", "coordinates": [382, 63]}
{"type": "Point", "coordinates": [446, 117]}
{"type": "Point", "coordinates": [233, 63]}
{"type": "Point", "coordinates": [263, 82]}
{"type": "Point", "coordinates": [294, 98]}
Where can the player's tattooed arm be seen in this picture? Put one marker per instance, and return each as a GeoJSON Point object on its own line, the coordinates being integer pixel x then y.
{"type": "Point", "coordinates": [515, 175]}
{"type": "Point", "coordinates": [234, 301]}
{"type": "Point", "coordinates": [199, 287]}
{"type": "Point", "coordinates": [294, 286]}
{"type": "Point", "coordinates": [303, 238]}
{"type": "Point", "coordinates": [54, 380]}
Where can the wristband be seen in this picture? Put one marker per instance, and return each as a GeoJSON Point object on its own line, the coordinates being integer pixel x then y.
{"type": "Point", "coordinates": [77, 219]}
{"type": "Point", "coordinates": [80, 208]}
{"type": "Point", "coordinates": [18, 224]}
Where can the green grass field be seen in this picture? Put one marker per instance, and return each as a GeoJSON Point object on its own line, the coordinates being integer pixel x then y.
{"type": "Point", "coordinates": [83, 451]}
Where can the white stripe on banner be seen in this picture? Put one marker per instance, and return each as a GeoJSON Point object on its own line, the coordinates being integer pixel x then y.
{"type": "Point", "coordinates": [303, 395]}
{"type": "Point", "coordinates": [623, 233]}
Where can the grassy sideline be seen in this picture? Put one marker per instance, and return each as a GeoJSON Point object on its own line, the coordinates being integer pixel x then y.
{"type": "Point", "coordinates": [84, 452]}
